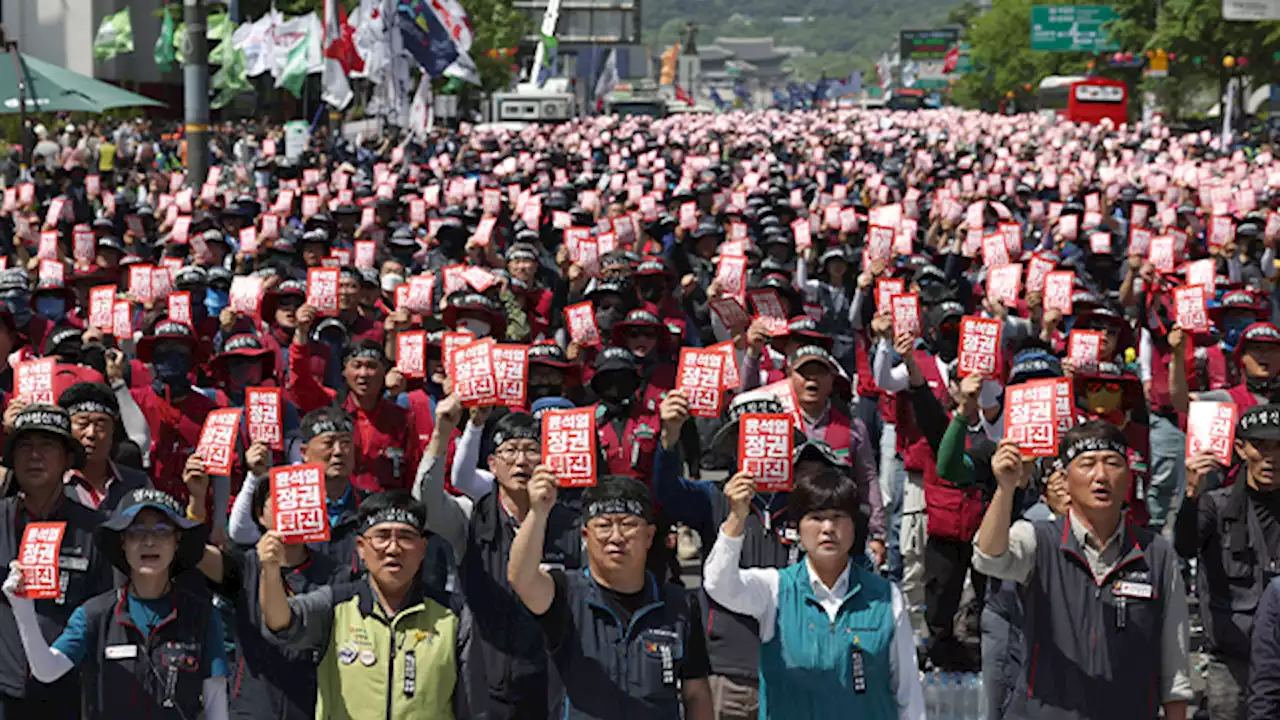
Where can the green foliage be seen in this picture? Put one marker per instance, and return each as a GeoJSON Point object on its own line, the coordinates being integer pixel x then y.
{"type": "Point", "coordinates": [1000, 48]}
{"type": "Point", "coordinates": [498, 25]}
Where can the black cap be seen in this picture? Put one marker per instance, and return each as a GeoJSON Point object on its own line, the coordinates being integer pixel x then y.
{"type": "Point", "coordinates": [108, 536]}
{"type": "Point", "coordinates": [1260, 422]}
{"type": "Point", "coordinates": [47, 419]}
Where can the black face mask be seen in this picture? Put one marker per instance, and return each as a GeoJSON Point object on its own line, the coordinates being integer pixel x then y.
{"type": "Point", "coordinates": [537, 392]}
{"type": "Point", "coordinates": [1268, 387]}
{"type": "Point", "coordinates": [606, 317]}
{"type": "Point", "coordinates": [651, 292]}
{"type": "Point", "coordinates": [946, 346]}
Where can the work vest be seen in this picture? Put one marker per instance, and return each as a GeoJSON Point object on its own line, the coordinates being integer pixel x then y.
{"type": "Point", "coordinates": [814, 667]}
{"type": "Point", "coordinates": [632, 454]}
{"type": "Point", "coordinates": [1093, 648]}
{"type": "Point", "coordinates": [399, 668]}
{"type": "Point", "coordinates": [912, 445]}
{"type": "Point", "coordinates": [1243, 397]}
{"type": "Point", "coordinates": [160, 676]}
{"type": "Point", "coordinates": [507, 660]}
{"type": "Point", "coordinates": [611, 671]}
{"type": "Point", "coordinates": [1214, 376]}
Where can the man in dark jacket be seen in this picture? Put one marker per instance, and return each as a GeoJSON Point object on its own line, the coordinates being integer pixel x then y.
{"type": "Point", "coordinates": [1234, 532]}
{"type": "Point", "coordinates": [95, 419]}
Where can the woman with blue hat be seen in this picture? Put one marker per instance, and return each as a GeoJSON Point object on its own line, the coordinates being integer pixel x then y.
{"type": "Point", "coordinates": [152, 648]}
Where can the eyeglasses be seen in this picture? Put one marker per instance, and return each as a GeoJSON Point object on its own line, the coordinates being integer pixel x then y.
{"type": "Point", "coordinates": [509, 454]}
{"type": "Point", "coordinates": [159, 531]}
{"type": "Point", "coordinates": [603, 529]}
{"type": "Point", "coordinates": [382, 539]}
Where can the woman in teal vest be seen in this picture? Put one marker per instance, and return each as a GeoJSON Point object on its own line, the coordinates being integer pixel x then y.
{"type": "Point", "coordinates": [835, 639]}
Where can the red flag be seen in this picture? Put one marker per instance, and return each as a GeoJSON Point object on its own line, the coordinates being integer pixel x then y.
{"type": "Point", "coordinates": [951, 59]}
{"type": "Point", "coordinates": [340, 45]}
{"type": "Point", "coordinates": [683, 96]}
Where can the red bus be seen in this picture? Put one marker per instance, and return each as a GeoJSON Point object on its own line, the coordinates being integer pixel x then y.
{"type": "Point", "coordinates": [1085, 100]}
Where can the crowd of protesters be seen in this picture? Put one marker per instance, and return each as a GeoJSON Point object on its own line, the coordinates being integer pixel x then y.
{"type": "Point", "coordinates": [1023, 374]}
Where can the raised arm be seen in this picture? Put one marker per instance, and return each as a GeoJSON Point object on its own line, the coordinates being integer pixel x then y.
{"type": "Point", "coordinates": [533, 584]}
{"type": "Point", "coordinates": [751, 592]}
{"type": "Point", "coordinates": [996, 555]}
{"type": "Point", "coordinates": [47, 664]}
{"type": "Point", "coordinates": [444, 515]}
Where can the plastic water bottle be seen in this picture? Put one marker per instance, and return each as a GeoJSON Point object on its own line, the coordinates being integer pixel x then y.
{"type": "Point", "coordinates": [931, 694]}
{"type": "Point", "coordinates": [974, 707]}
{"type": "Point", "coordinates": [947, 706]}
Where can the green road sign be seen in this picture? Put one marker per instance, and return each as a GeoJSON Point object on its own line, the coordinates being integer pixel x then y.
{"type": "Point", "coordinates": [1071, 28]}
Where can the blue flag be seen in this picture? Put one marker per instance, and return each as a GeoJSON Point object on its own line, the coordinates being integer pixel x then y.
{"type": "Point", "coordinates": [425, 37]}
{"type": "Point", "coordinates": [719, 101]}
{"type": "Point", "coordinates": [779, 98]}
{"type": "Point", "coordinates": [740, 90]}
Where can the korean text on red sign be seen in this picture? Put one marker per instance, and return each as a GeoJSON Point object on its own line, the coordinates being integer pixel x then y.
{"type": "Point", "coordinates": [1031, 418]}
{"type": "Point", "coordinates": [218, 440]}
{"type": "Point", "coordinates": [33, 380]}
{"type": "Point", "coordinates": [569, 446]}
{"type": "Point", "coordinates": [298, 500]}
{"type": "Point", "coordinates": [473, 378]}
{"type": "Point", "coordinates": [699, 377]}
{"type": "Point", "coordinates": [511, 374]}
{"type": "Point", "coordinates": [322, 290]}
{"type": "Point", "coordinates": [264, 407]}
{"type": "Point", "coordinates": [1212, 426]}
{"type": "Point", "coordinates": [765, 444]}
{"type": "Point", "coordinates": [38, 555]}
{"type": "Point", "coordinates": [979, 346]}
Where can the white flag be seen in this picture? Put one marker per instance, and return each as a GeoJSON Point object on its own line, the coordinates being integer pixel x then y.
{"type": "Point", "coordinates": [287, 34]}
{"type": "Point", "coordinates": [608, 78]}
{"type": "Point", "coordinates": [371, 40]}
{"type": "Point", "coordinates": [464, 68]}
{"type": "Point", "coordinates": [336, 89]}
{"type": "Point", "coordinates": [421, 112]}
{"type": "Point", "coordinates": [255, 40]}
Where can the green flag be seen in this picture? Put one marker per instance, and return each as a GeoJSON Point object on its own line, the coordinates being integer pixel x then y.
{"type": "Point", "coordinates": [295, 67]}
{"type": "Point", "coordinates": [164, 44]}
{"type": "Point", "coordinates": [230, 80]}
{"type": "Point", "coordinates": [115, 36]}
{"type": "Point", "coordinates": [452, 86]}
{"type": "Point", "coordinates": [219, 27]}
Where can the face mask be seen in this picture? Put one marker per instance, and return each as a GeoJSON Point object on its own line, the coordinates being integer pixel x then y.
{"type": "Point", "coordinates": [51, 308]}
{"type": "Point", "coordinates": [947, 347]}
{"type": "Point", "coordinates": [1268, 387]}
{"type": "Point", "coordinates": [651, 292]}
{"type": "Point", "coordinates": [537, 392]}
{"type": "Point", "coordinates": [605, 318]}
{"type": "Point", "coordinates": [19, 306]}
{"type": "Point", "coordinates": [216, 299]}
{"type": "Point", "coordinates": [479, 328]}
{"type": "Point", "coordinates": [171, 369]}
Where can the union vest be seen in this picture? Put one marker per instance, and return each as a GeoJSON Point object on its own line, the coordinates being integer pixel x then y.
{"type": "Point", "coordinates": [612, 672]}
{"type": "Point", "coordinates": [1093, 649]}
{"type": "Point", "coordinates": [506, 657]}
{"type": "Point", "coordinates": [814, 667]}
{"type": "Point", "coordinates": [160, 676]}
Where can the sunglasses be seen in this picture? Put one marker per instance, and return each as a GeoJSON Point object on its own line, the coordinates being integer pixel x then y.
{"type": "Point", "coordinates": [1097, 387]}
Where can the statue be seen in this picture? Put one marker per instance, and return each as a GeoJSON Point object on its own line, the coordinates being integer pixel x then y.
{"type": "Point", "coordinates": [690, 44]}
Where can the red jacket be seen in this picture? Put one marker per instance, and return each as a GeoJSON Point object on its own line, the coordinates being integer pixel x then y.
{"type": "Point", "coordinates": [387, 449]}
{"type": "Point", "coordinates": [319, 361]}
{"type": "Point", "coordinates": [175, 433]}
{"type": "Point", "coordinates": [632, 454]}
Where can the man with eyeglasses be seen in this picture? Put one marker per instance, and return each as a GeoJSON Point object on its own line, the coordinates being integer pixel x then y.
{"type": "Point", "coordinates": [384, 641]}
{"type": "Point", "coordinates": [95, 417]}
{"type": "Point", "coordinates": [623, 645]}
{"type": "Point", "coordinates": [509, 668]}
{"type": "Point", "coordinates": [39, 451]}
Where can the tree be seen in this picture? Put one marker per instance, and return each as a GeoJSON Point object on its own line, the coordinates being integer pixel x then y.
{"type": "Point", "coordinates": [497, 26]}
{"type": "Point", "coordinates": [1003, 61]}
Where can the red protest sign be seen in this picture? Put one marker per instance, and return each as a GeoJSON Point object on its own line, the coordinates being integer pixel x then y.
{"type": "Point", "coordinates": [994, 250]}
{"type": "Point", "coordinates": [473, 378]}
{"type": "Point", "coordinates": [48, 248]}
{"type": "Point", "coordinates": [449, 342]}
{"type": "Point", "coordinates": [1037, 269]}
{"type": "Point", "coordinates": [411, 353]}
{"type": "Point", "coordinates": [484, 231]}
{"type": "Point", "coordinates": [699, 377]}
{"type": "Point", "coordinates": [979, 346]}
{"type": "Point", "coordinates": [1003, 283]}
{"type": "Point", "coordinates": [102, 300]}
{"type": "Point", "coordinates": [581, 319]}
{"type": "Point", "coordinates": [84, 246]}
{"type": "Point", "coordinates": [1190, 310]}
{"type": "Point", "coordinates": [1100, 243]}
{"type": "Point", "coordinates": [731, 274]}
{"type": "Point", "coordinates": [366, 253]}
{"type": "Point", "coordinates": [1069, 226]}
{"type": "Point", "coordinates": [180, 307]}
{"type": "Point", "coordinates": [1031, 417]}
{"type": "Point", "coordinates": [906, 313]}
{"type": "Point", "coordinates": [33, 380]}
{"type": "Point", "coordinates": [1203, 273]}
{"type": "Point", "coordinates": [454, 279]}
{"type": "Point", "coordinates": [38, 555]}
{"type": "Point", "coordinates": [765, 444]}
{"type": "Point", "coordinates": [298, 503]}
{"type": "Point", "coordinates": [886, 288]}
{"type": "Point", "coordinates": [322, 290]}
{"type": "Point", "coordinates": [731, 377]}
{"type": "Point", "coordinates": [248, 240]}
{"type": "Point", "coordinates": [1222, 229]}
{"type": "Point", "coordinates": [731, 314]}
{"type": "Point", "coordinates": [419, 290]}
{"type": "Point", "coordinates": [689, 215]}
{"type": "Point", "coordinates": [879, 243]}
{"type": "Point", "coordinates": [140, 283]}
{"type": "Point", "coordinates": [478, 278]}
{"type": "Point", "coordinates": [768, 307]}
{"type": "Point", "coordinates": [122, 320]}
{"type": "Point", "coordinates": [1161, 253]}
{"type": "Point", "coordinates": [1084, 348]}
{"type": "Point", "coordinates": [265, 412]}
{"type": "Point", "coordinates": [569, 446]}
{"type": "Point", "coordinates": [800, 229]}
{"type": "Point", "coordinates": [511, 373]}
{"type": "Point", "coordinates": [246, 294]}
{"type": "Point", "coordinates": [52, 271]}
{"type": "Point", "coordinates": [1058, 287]}
{"type": "Point", "coordinates": [218, 440]}
{"type": "Point", "coordinates": [1212, 426]}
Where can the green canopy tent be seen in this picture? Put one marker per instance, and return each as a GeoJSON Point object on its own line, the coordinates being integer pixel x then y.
{"type": "Point", "coordinates": [50, 88]}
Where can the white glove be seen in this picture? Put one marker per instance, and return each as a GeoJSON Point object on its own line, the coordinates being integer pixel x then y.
{"type": "Point", "coordinates": [14, 584]}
